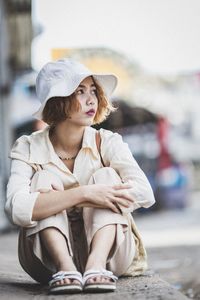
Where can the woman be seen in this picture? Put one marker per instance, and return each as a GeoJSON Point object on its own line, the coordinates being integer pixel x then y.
{"type": "Point", "coordinates": [72, 189]}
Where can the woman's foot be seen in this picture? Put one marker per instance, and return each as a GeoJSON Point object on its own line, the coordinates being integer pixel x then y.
{"type": "Point", "coordinates": [99, 281]}
{"type": "Point", "coordinates": [66, 267]}
{"type": "Point", "coordinates": [55, 243]}
{"type": "Point", "coordinates": [96, 278]}
{"type": "Point", "coordinates": [65, 280]}
{"type": "Point", "coordinates": [96, 273]}
{"type": "Point", "coordinates": [66, 283]}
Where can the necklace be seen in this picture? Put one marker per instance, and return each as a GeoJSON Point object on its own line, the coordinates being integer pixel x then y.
{"type": "Point", "coordinates": [68, 158]}
{"type": "Point", "coordinates": [62, 158]}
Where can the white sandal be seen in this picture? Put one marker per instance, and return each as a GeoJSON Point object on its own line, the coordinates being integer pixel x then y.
{"type": "Point", "coordinates": [66, 288]}
{"type": "Point", "coordinates": [99, 287]}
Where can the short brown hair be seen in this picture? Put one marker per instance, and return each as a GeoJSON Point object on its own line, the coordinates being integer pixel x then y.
{"type": "Point", "coordinates": [57, 109]}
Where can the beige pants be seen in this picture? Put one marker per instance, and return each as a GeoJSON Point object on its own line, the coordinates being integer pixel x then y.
{"type": "Point", "coordinates": [79, 228]}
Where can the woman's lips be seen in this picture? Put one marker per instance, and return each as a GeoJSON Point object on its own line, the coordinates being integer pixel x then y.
{"type": "Point", "coordinates": [90, 112]}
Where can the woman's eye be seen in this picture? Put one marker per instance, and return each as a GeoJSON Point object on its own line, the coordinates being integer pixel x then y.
{"type": "Point", "coordinates": [79, 92]}
{"type": "Point", "coordinates": [94, 92]}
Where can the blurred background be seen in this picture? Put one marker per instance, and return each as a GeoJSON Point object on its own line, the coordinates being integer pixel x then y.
{"type": "Point", "coordinates": [153, 47]}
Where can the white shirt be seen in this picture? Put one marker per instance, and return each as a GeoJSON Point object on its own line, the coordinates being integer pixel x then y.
{"type": "Point", "coordinates": [35, 150]}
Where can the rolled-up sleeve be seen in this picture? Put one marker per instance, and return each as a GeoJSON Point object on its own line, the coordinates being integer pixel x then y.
{"type": "Point", "coordinates": [20, 201]}
{"type": "Point", "coordinates": [117, 154]}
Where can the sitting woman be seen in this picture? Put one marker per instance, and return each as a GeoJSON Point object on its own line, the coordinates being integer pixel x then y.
{"type": "Point", "coordinates": [72, 188]}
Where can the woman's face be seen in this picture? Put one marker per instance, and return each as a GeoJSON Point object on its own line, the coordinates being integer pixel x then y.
{"type": "Point", "coordinates": [86, 94]}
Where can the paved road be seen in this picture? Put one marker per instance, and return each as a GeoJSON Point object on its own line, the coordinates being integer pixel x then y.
{"type": "Point", "coordinates": [172, 239]}
{"type": "Point", "coordinates": [14, 283]}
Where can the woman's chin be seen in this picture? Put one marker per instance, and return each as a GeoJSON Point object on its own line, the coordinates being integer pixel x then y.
{"type": "Point", "coordinates": [88, 122]}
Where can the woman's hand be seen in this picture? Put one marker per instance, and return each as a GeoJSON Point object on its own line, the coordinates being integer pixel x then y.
{"type": "Point", "coordinates": [105, 196]}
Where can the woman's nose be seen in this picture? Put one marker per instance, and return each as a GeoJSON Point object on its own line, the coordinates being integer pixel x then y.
{"type": "Point", "coordinates": [90, 99]}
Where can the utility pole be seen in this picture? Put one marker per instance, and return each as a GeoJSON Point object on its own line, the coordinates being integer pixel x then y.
{"type": "Point", "coordinates": [15, 58]}
{"type": "Point", "coordinates": [4, 112]}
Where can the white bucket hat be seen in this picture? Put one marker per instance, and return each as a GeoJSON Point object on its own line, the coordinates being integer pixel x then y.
{"type": "Point", "coordinates": [62, 77]}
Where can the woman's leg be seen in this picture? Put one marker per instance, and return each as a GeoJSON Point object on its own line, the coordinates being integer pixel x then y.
{"type": "Point", "coordinates": [108, 234]}
{"type": "Point", "coordinates": [52, 245]}
{"type": "Point", "coordinates": [55, 243]}
{"type": "Point", "coordinates": [101, 247]}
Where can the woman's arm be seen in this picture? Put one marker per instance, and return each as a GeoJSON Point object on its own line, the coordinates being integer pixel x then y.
{"type": "Point", "coordinates": [117, 155]}
{"type": "Point", "coordinates": [26, 208]}
{"type": "Point", "coordinates": [101, 196]}
{"type": "Point", "coordinates": [20, 201]}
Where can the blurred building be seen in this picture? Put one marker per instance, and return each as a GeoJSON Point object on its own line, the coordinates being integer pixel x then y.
{"type": "Point", "coordinates": [15, 58]}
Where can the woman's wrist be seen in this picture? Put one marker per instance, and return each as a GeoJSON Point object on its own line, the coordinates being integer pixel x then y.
{"type": "Point", "coordinates": [83, 194]}
{"type": "Point", "coordinates": [80, 195]}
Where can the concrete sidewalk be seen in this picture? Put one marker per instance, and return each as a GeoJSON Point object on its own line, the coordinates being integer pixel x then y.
{"type": "Point", "coordinates": [15, 283]}
{"type": "Point", "coordinates": [172, 239]}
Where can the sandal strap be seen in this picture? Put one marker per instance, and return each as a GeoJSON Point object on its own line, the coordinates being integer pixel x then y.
{"type": "Point", "coordinates": [64, 274]}
{"type": "Point", "coordinates": [93, 273]}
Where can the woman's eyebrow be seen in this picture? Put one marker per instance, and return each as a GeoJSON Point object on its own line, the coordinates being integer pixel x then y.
{"type": "Point", "coordinates": [83, 86]}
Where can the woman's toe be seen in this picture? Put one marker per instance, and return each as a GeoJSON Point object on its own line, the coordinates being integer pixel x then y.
{"type": "Point", "coordinates": [66, 281]}
{"type": "Point", "coordinates": [91, 280]}
{"type": "Point", "coordinates": [104, 280]}
{"type": "Point", "coordinates": [99, 279]}
{"type": "Point", "coordinates": [59, 282]}
{"type": "Point", "coordinates": [75, 281]}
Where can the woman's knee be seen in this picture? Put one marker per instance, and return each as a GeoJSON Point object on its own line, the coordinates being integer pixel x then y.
{"type": "Point", "coordinates": [44, 181]}
{"type": "Point", "coordinates": [104, 176]}
{"type": "Point", "coordinates": [96, 217]}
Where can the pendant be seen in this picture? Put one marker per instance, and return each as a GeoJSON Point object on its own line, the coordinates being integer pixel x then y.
{"type": "Point", "coordinates": [67, 158]}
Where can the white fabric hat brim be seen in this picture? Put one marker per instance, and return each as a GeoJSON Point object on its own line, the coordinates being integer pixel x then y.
{"type": "Point", "coordinates": [108, 82]}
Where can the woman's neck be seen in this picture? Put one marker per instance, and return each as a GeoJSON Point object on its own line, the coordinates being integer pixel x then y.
{"type": "Point", "coordinates": [67, 138]}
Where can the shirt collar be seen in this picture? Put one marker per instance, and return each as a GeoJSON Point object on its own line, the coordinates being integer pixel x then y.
{"type": "Point", "coordinates": [89, 141]}
{"type": "Point", "coordinates": [42, 151]}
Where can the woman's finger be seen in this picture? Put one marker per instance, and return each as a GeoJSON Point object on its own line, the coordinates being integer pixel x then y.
{"type": "Point", "coordinates": [123, 195]}
{"type": "Point", "coordinates": [114, 207]}
{"type": "Point", "coordinates": [120, 201]}
{"type": "Point", "coordinates": [122, 186]}
{"type": "Point", "coordinates": [118, 207]}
